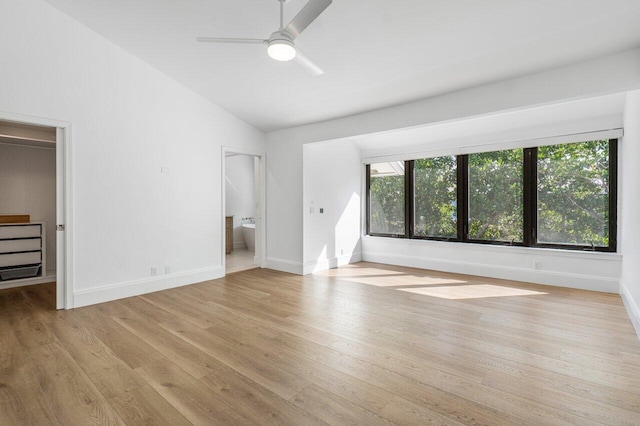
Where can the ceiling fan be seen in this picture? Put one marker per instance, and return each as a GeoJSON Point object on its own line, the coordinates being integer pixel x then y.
{"type": "Point", "coordinates": [280, 44]}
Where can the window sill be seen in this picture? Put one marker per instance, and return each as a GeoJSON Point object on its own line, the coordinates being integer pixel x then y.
{"type": "Point", "coordinates": [499, 249]}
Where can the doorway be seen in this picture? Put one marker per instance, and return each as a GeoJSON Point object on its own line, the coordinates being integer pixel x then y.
{"type": "Point", "coordinates": [33, 205]}
{"type": "Point", "coordinates": [243, 204]}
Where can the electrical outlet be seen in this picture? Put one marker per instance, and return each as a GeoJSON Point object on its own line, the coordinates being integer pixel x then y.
{"type": "Point", "coordinates": [154, 271]}
{"type": "Point", "coordinates": [167, 269]}
{"type": "Point", "coordinates": [321, 210]}
{"type": "Point", "coordinates": [537, 265]}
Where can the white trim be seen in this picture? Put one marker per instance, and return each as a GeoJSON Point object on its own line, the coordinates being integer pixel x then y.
{"type": "Point", "coordinates": [64, 200]}
{"type": "Point", "coordinates": [117, 291]}
{"type": "Point", "coordinates": [578, 281]}
{"type": "Point", "coordinates": [284, 265]}
{"type": "Point", "coordinates": [261, 219]}
{"type": "Point", "coordinates": [239, 245]}
{"type": "Point", "coordinates": [632, 308]}
{"type": "Point", "coordinates": [334, 262]}
{"type": "Point", "coordinates": [474, 147]}
{"type": "Point", "coordinates": [50, 277]}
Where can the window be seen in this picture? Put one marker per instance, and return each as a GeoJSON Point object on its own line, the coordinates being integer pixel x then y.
{"type": "Point", "coordinates": [496, 196]}
{"type": "Point", "coordinates": [573, 194]}
{"type": "Point", "coordinates": [435, 197]}
{"type": "Point", "coordinates": [387, 198]}
{"type": "Point", "coordinates": [560, 196]}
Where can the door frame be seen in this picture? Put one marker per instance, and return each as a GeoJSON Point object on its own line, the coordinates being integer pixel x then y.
{"type": "Point", "coordinates": [261, 234]}
{"type": "Point", "coordinates": [64, 204]}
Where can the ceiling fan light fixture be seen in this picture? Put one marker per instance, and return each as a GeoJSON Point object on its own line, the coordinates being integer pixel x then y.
{"type": "Point", "coordinates": [281, 50]}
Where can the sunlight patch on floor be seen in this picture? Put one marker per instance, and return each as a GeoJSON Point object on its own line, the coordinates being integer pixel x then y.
{"type": "Point", "coordinates": [404, 281]}
{"type": "Point", "coordinates": [478, 291]}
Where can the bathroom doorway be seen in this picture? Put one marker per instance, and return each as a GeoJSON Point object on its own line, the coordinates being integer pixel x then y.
{"type": "Point", "coordinates": [243, 210]}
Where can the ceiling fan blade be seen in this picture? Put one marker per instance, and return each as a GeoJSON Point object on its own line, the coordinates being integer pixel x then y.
{"type": "Point", "coordinates": [306, 62]}
{"type": "Point", "coordinates": [231, 40]}
{"type": "Point", "coordinates": [306, 16]}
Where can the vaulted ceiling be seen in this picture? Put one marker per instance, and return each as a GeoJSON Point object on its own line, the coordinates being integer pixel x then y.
{"type": "Point", "coordinates": [376, 53]}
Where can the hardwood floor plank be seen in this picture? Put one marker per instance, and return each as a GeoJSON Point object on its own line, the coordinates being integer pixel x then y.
{"type": "Point", "coordinates": [192, 399]}
{"type": "Point", "coordinates": [335, 410]}
{"type": "Point", "coordinates": [254, 401]}
{"type": "Point", "coordinates": [403, 412]}
{"type": "Point", "coordinates": [589, 409]}
{"type": "Point", "coordinates": [25, 324]}
{"type": "Point", "coordinates": [182, 353]}
{"type": "Point", "coordinates": [144, 406]}
{"type": "Point", "coordinates": [133, 351]}
{"type": "Point", "coordinates": [624, 383]}
{"type": "Point", "coordinates": [237, 357]}
{"type": "Point", "coordinates": [71, 395]}
{"type": "Point", "coordinates": [268, 347]}
{"type": "Point", "coordinates": [21, 399]}
{"type": "Point", "coordinates": [361, 344]}
{"type": "Point", "coordinates": [106, 371]}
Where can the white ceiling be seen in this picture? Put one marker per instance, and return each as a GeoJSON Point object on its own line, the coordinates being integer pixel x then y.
{"type": "Point", "coordinates": [376, 53]}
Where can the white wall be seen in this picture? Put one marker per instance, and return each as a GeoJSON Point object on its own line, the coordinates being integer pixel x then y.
{"type": "Point", "coordinates": [601, 76]}
{"type": "Point", "coordinates": [630, 203]}
{"type": "Point", "coordinates": [240, 194]}
{"type": "Point", "coordinates": [284, 206]}
{"type": "Point", "coordinates": [28, 186]}
{"type": "Point", "coordinates": [332, 182]}
{"type": "Point", "coordinates": [128, 121]}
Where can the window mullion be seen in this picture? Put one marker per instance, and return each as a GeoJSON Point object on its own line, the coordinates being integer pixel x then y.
{"type": "Point", "coordinates": [368, 197]}
{"type": "Point", "coordinates": [463, 197]}
{"type": "Point", "coordinates": [408, 199]}
{"type": "Point", "coordinates": [613, 194]}
{"type": "Point", "coordinates": [530, 195]}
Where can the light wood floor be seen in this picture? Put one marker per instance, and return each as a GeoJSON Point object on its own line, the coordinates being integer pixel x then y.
{"type": "Point", "coordinates": [366, 344]}
{"type": "Point", "coordinates": [239, 260]}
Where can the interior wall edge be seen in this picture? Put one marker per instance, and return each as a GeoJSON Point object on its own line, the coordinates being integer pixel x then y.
{"type": "Point", "coordinates": [330, 263]}
{"type": "Point", "coordinates": [632, 308]}
{"type": "Point", "coordinates": [283, 265]}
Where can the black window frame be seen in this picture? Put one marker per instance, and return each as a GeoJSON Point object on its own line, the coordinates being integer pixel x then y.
{"type": "Point", "coordinates": [529, 205]}
{"type": "Point", "coordinates": [458, 237]}
{"type": "Point", "coordinates": [407, 215]}
{"type": "Point", "coordinates": [494, 242]}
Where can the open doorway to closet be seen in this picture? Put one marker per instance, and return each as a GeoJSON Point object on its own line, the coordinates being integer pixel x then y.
{"type": "Point", "coordinates": [243, 194]}
{"type": "Point", "coordinates": [32, 208]}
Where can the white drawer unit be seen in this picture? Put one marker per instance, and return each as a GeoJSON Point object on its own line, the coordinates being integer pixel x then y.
{"type": "Point", "coordinates": [16, 230]}
{"type": "Point", "coordinates": [22, 251]}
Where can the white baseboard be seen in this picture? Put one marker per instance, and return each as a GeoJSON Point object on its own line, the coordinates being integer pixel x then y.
{"type": "Point", "coordinates": [51, 277]}
{"type": "Point", "coordinates": [632, 308]}
{"type": "Point", "coordinates": [117, 291]}
{"type": "Point", "coordinates": [239, 245]}
{"type": "Point", "coordinates": [583, 282]}
{"type": "Point", "coordinates": [284, 265]}
{"type": "Point", "coordinates": [334, 262]}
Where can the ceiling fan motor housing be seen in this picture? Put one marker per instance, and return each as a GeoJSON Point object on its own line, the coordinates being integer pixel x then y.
{"type": "Point", "coordinates": [280, 46]}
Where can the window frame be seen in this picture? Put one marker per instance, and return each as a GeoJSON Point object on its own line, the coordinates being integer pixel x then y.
{"type": "Point", "coordinates": [529, 204]}
{"type": "Point", "coordinates": [458, 237]}
{"type": "Point", "coordinates": [613, 207]}
{"type": "Point", "coordinates": [368, 205]}
{"type": "Point", "coordinates": [493, 242]}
